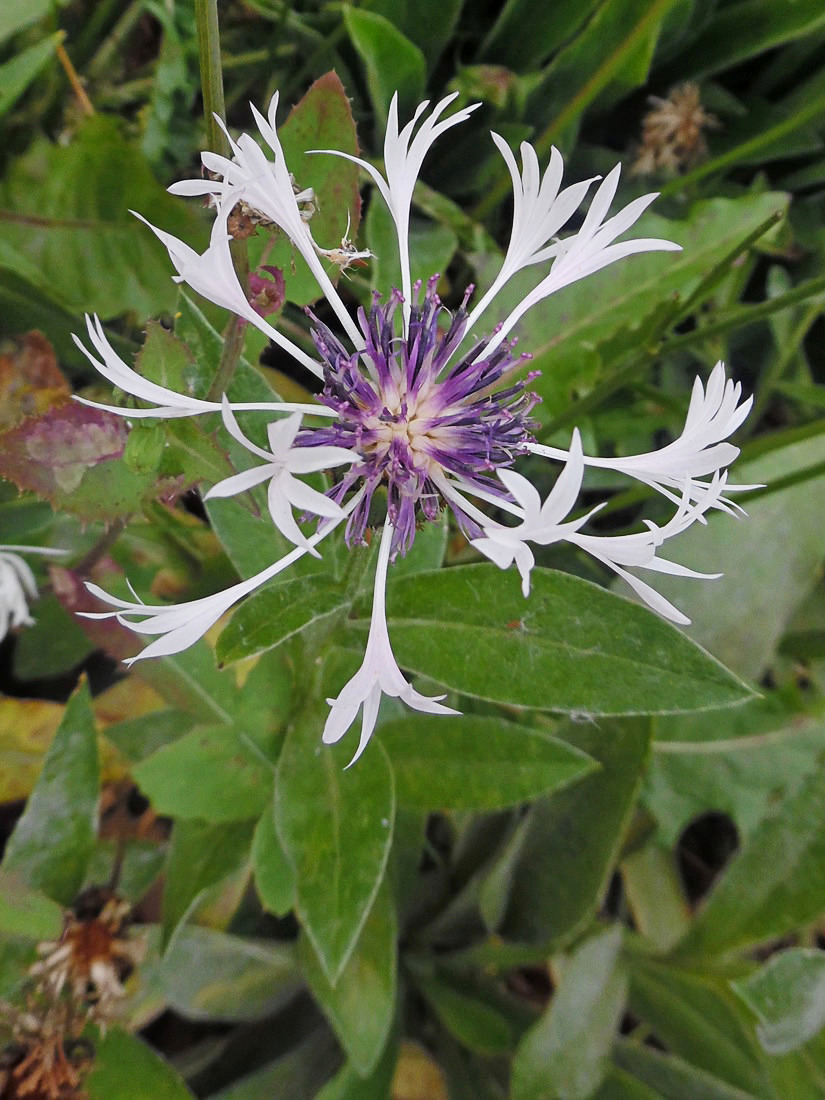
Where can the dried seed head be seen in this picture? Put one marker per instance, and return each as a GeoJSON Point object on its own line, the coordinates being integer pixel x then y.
{"type": "Point", "coordinates": [672, 133]}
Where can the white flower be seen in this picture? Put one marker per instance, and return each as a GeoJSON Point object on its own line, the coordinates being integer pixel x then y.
{"type": "Point", "coordinates": [282, 461]}
{"type": "Point", "coordinates": [168, 403]}
{"type": "Point", "coordinates": [266, 186]}
{"type": "Point", "coordinates": [713, 416]}
{"type": "Point", "coordinates": [17, 585]}
{"type": "Point", "coordinates": [213, 276]}
{"type": "Point", "coordinates": [413, 415]}
{"type": "Point", "coordinates": [541, 523]}
{"type": "Point", "coordinates": [403, 156]}
{"type": "Point", "coordinates": [180, 625]}
{"type": "Point", "coordinates": [540, 211]}
{"type": "Point", "coordinates": [379, 673]}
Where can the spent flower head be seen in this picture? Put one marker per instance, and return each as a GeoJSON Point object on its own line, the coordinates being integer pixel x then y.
{"type": "Point", "coordinates": [420, 410]}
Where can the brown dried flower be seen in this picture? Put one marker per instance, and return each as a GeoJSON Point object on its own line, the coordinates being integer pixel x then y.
{"type": "Point", "coordinates": [78, 980]}
{"type": "Point", "coordinates": [47, 1056]}
{"type": "Point", "coordinates": [672, 133]}
{"type": "Point", "coordinates": [94, 955]}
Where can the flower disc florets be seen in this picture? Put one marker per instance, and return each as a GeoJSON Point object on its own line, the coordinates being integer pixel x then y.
{"type": "Point", "coordinates": [413, 412]}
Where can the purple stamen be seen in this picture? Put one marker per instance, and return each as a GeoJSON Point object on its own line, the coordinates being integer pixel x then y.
{"type": "Point", "coordinates": [411, 414]}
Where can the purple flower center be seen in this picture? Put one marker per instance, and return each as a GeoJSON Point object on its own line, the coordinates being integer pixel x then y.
{"type": "Point", "coordinates": [414, 417]}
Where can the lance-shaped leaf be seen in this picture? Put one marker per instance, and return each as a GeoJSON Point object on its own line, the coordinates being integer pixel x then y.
{"type": "Point", "coordinates": [775, 883]}
{"type": "Point", "coordinates": [272, 616]}
{"type": "Point", "coordinates": [128, 1068]}
{"type": "Point", "coordinates": [53, 841]}
{"type": "Point", "coordinates": [474, 762]}
{"type": "Point", "coordinates": [787, 995]}
{"type": "Point", "coordinates": [361, 1004]}
{"type": "Point", "coordinates": [336, 828]}
{"type": "Point", "coordinates": [565, 1053]}
{"type": "Point", "coordinates": [234, 780]}
{"type": "Point", "coordinates": [572, 646]}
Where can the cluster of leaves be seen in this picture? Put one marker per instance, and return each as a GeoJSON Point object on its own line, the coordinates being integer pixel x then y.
{"type": "Point", "coordinates": [537, 899]}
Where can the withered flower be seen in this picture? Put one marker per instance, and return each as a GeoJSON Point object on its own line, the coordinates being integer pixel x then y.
{"type": "Point", "coordinates": [673, 137]}
{"type": "Point", "coordinates": [94, 955]}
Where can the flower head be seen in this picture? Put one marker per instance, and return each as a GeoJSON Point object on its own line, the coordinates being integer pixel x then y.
{"type": "Point", "coordinates": [418, 411]}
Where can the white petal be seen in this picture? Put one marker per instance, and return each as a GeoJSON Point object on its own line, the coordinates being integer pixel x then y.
{"type": "Point", "coordinates": [239, 483]}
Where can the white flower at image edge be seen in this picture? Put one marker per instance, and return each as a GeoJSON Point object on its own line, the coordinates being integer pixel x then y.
{"type": "Point", "coordinates": [416, 402]}
{"type": "Point", "coordinates": [17, 585]}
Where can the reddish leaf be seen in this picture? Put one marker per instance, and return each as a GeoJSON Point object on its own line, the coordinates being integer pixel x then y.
{"type": "Point", "coordinates": [30, 379]}
{"type": "Point", "coordinates": [71, 457]}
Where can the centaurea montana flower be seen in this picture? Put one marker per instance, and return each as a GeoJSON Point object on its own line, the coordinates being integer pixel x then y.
{"type": "Point", "coordinates": [418, 405]}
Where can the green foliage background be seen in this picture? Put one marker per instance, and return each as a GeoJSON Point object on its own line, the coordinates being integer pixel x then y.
{"type": "Point", "coordinates": [605, 879]}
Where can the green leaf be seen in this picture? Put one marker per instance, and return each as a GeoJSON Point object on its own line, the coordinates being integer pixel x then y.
{"type": "Point", "coordinates": [431, 247]}
{"type": "Point", "coordinates": [27, 912]}
{"type": "Point", "coordinates": [79, 196]}
{"type": "Point", "coordinates": [698, 1019]}
{"type": "Point", "coordinates": [477, 1025]}
{"type": "Point", "coordinates": [565, 1054]}
{"type": "Point", "coordinates": [775, 883]}
{"type": "Point", "coordinates": [745, 29]}
{"type": "Point", "coordinates": [16, 15]}
{"type": "Point", "coordinates": [360, 1005]}
{"type": "Point", "coordinates": [563, 866]}
{"type": "Point", "coordinates": [787, 995]}
{"type": "Point", "coordinates": [137, 738]}
{"type": "Point", "coordinates": [127, 1068]}
{"type": "Point", "coordinates": [670, 1077]}
{"type": "Point", "coordinates": [612, 51]}
{"type": "Point", "coordinates": [392, 62]}
{"type": "Point", "coordinates": [618, 1085]}
{"type": "Point", "coordinates": [54, 839]}
{"type": "Point", "coordinates": [428, 550]}
{"type": "Point", "coordinates": [210, 975]}
{"type": "Point", "coordinates": [233, 781]}
{"type": "Point", "coordinates": [53, 645]}
{"type": "Point", "coordinates": [336, 828]}
{"type": "Point", "coordinates": [427, 23]}
{"type": "Point", "coordinates": [476, 763]}
{"type": "Point", "coordinates": [550, 27]}
{"type": "Point", "coordinates": [200, 855]}
{"type": "Point", "coordinates": [274, 876]}
{"type": "Point", "coordinates": [741, 775]}
{"type": "Point", "coordinates": [766, 574]}
{"type": "Point", "coordinates": [276, 614]}
{"type": "Point", "coordinates": [21, 70]}
{"type": "Point", "coordinates": [348, 1084]}
{"type": "Point", "coordinates": [297, 1072]}
{"type": "Point", "coordinates": [190, 681]}
{"type": "Point", "coordinates": [571, 646]}
{"type": "Point", "coordinates": [17, 954]}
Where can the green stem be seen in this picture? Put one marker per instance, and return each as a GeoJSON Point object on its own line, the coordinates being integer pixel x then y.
{"type": "Point", "coordinates": [209, 57]}
{"type": "Point", "coordinates": [113, 42]}
{"type": "Point", "coordinates": [101, 547]}
{"type": "Point", "coordinates": [214, 108]}
{"type": "Point", "coordinates": [746, 315]}
{"type": "Point", "coordinates": [779, 365]}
